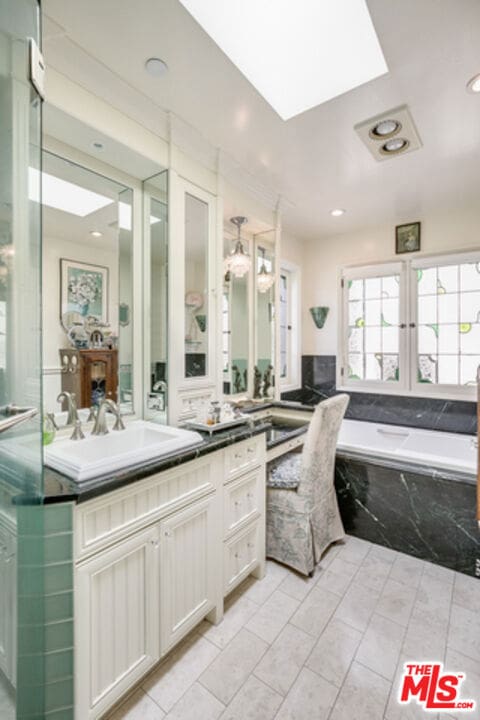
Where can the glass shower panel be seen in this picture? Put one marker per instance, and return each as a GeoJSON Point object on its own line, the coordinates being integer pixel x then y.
{"type": "Point", "coordinates": [21, 479]}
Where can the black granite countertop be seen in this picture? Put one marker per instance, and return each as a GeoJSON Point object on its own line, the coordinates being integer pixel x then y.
{"type": "Point", "coordinates": [59, 488]}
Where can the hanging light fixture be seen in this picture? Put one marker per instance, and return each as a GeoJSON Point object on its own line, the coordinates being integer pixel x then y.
{"type": "Point", "coordinates": [265, 279]}
{"type": "Point", "coordinates": [238, 263]}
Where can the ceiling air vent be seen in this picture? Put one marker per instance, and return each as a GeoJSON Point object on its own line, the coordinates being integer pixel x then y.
{"type": "Point", "coordinates": [390, 134]}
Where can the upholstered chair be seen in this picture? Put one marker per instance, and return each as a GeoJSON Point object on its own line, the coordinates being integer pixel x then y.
{"type": "Point", "coordinates": [302, 510]}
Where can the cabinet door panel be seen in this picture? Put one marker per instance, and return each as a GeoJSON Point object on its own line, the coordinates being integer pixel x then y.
{"type": "Point", "coordinates": [187, 585]}
{"type": "Point", "coordinates": [117, 622]}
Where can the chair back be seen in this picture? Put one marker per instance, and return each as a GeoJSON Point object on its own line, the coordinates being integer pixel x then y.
{"type": "Point", "coordinates": [318, 457]}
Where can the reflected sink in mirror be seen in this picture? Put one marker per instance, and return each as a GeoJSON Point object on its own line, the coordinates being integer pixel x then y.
{"type": "Point", "coordinates": [95, 456]}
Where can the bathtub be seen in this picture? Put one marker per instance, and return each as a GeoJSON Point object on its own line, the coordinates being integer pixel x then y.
{"type": "Point", "coordinates": [429, 449]}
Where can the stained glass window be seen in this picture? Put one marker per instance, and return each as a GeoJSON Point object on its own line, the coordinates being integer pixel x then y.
{"type": "Point", "coordinates": [373, 328]}
{"type": "Point", "coordinates": [448, 312]}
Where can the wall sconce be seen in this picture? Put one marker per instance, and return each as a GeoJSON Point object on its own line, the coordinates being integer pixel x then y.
{"type": "Point", "coordinates": [319, 315]}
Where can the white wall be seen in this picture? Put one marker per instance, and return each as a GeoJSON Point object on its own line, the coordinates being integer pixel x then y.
{"type": "Point", "coordinates": [323, 259]}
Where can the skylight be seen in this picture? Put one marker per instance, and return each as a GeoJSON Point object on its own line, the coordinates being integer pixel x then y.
{"type": "Point", "coordinates": [296, 53]}
{"type": "Point", "coordinates": [63, 195]}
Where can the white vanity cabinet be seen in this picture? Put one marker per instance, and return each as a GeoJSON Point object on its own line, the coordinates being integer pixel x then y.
{"type": "Point", "coordinates": [187, 569]}
{"type": "Point", "coordinates": [156, 557]}
{"type": "Point", "coordinates": [117, 620]}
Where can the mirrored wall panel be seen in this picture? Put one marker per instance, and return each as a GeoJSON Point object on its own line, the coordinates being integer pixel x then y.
{"type": "Point", "coordinates": [156, 229]}
{"type": "Point", "coordinates": [87, 289]}
{"type": "Point", "coordinates": [265, 294]}
{"type": "Point", "coordinates": [196, 286]}
{"type": "Point", "coordinates": [235, 327]}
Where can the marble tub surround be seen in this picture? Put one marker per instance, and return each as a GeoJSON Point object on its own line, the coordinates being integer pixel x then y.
{"type": "Point", "coordinates": [294, 648]}
{"type": "Point", "coordinates": [319, 382]}
{"type": "Point", "coordinates": [424, 514]}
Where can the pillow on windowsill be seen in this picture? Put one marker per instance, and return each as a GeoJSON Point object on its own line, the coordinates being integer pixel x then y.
{"type": "Point", "coordinates": [284, 473]}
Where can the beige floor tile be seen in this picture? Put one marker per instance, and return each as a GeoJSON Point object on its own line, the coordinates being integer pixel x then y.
{"type": "Point", "coordinates": [311, 697]}
{"type": "Point", "coordinates": [298, 586]}
{"type": "Point", "coordinates": [466, 592]}
{"type": "Point", "coordinates": [373, 572]}
{"type": "Point", "coordinates": [173, 678]}
{"type": "Point", "coordinates": [334, 651]}
{"type": "Point", "coordinates": [254, 701]}
{"type": "Point", "coordinates": [354, 550]}
{"type": "Point", "coordinates": [412, 711]}
{"type": "Point", "coordinates": [380, 646]}
{"type": "Point", "coordinates": [396, 601]}
{"type": "Point", "coordinates": [357, 606]}
{"type": "Point", "coordinates": [407, 570]}
{"type": "Point", "coordinates": [440, 572]}
{"type": "Point", "coordinates": [139, 706]}
{"type": "Point", "coordinates": [337, 576]}
{"type": "Point", "coordinates": [464, 632]}
{"type": "Point", "coordinates": [470, 688]}
{"type": "Point", "coordinates": [238, 611]}
{"type": "Point", "coordinates": [315, 611]}
{"type": "Point", "coordinates": [225, 676]}
{"type": "Point", "coordinates": [272, 616]}
{"type": "Point", "coordinates": [260, 590]}
{"type": "Point", "coordinates": [363, 696]}
{"type": "Point", "coordinates": [282, 662]}
{"type": "Point", "coordinates": [196, 704]}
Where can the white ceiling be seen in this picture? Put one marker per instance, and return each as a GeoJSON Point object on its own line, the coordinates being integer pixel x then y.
{"type": "Point", "coordinates": [316, 160]}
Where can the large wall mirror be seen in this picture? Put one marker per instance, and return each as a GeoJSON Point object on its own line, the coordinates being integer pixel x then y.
{"type": "Point", "coordinates": [265, 294]}
{"type": "Point", "coordinates": [156, 247]}
{"type": "Point", "coordinates": [235, 321]}
{"type": "Point", "coordinates": [87, 287]}
{"type": "Point", "coordinates": [196, 287]}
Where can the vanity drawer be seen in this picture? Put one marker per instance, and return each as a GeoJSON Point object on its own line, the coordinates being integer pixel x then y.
{"type": "Point", "coordinates": [244, 455]}
{"type": "Point", "coordinates": [242, 500]}
{"type": "Point", "coordinates": [285, 447]}
{"type": "Point", "coordinates": [242, 553]}
{"type": "Point", "coordinates": [101, 522]}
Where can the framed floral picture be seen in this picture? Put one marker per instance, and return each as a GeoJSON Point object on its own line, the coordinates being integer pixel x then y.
{"type": "Point", "coordinates": [84, 289]}
{"type": "Point", "coordinates": [407, 238]}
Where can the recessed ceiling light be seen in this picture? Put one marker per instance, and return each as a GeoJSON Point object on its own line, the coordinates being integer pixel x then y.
{"type": "Point", "coordinates": [385, 129]}
{"type": "Point", "coordinates": [156, 67]}
{"type": "Point", "coordinates": [395, 145]}
{"type": "Point", "coordinates": [296, 54]}
{"type": "Point", "coordinates": [96, 233]}
{"type": "Point", "coordinates": [473, 85]}
{"type": "Point", "coordinates": [63, 195]}
{"type": "Point", "coordinates": [337, 212]}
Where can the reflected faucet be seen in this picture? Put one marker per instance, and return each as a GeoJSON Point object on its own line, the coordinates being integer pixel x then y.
{"type": "Point", "coordinates": [72, 416]}
{"type": "Point", "coordinates": [100, 426]}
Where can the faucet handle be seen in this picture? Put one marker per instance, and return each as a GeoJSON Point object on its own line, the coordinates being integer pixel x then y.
{"type": "Point", "coordinates": [92, 415]}
{"type": "Point", "coordinates": [119, 424]}
{"type": "Point", "coordinates": [77, 431]}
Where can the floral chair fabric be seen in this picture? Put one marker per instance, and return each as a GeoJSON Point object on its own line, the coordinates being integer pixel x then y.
{"type": "Point", "coordinates": [303, 521]}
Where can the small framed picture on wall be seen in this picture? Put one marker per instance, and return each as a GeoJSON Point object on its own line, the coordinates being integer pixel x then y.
{"type": "Point", "coordinates": [84, 289]}
{"type": "Point", "coordinates": [407, 238]}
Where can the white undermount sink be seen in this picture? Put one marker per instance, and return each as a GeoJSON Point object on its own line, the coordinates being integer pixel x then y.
{"type": "Point", "coordinates": [98, 455]}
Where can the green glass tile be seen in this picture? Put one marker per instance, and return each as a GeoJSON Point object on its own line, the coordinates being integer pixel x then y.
{"type": "Point", "coordinates": [52, 549]}
{"type": "Point", "coordinates": [58, 694]}
{"type": "Point", "coordinates": [52, 578]}
{"type": "Point", "coordinates": [59, 636]}
{"type": "Point", "coordinates": [58, 518]}
{"type": "Point", "coordinates": [58, 665]}
{"type": "Point", "coordinates": [63, 714]}
{"type": "Point", "coordinates": [59, 607]}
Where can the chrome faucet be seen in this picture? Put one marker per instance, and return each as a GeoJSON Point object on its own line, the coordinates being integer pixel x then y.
{"type": "Point", "coordinates": [100, 426]}
{"type": "Point", "coordinates": [72, 416]}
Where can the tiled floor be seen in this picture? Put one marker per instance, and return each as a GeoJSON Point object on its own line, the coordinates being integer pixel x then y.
{"type": "Point", "coordinates": [328, 647]}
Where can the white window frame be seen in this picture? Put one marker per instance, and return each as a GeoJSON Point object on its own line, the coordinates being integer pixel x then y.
{"type": "Point", "coordinates": [293, 380]}
{"type": "Point", "coordinates": [408, 384]}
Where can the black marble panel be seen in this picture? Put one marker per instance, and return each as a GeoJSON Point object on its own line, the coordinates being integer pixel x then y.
{"type": "Point", "coordinates": [432, 518]}
{"type": "Point", "coordinates": [318, 382]}
{"type": "Point", "coordinates": [195, 364]}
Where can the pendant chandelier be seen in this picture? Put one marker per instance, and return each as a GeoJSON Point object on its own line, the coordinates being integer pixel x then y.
{"type": "Point", "coordinates": [265, 279]}
{"type": "Point", "coordinates": [238, 262]}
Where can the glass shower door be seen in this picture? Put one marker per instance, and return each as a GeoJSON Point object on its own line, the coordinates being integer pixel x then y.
{"type": "Point", "coordinates": [21, 483]}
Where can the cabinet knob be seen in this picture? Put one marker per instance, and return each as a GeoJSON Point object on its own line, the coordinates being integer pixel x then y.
{"type": "Point", "coordinates": [250, 450]}
{"type": "Point", "coordinates": [168, 533]}
{"type": "Point", "coordinates": [237, 555]}
{"type": "Point", "coordinates": [250, 545]}
{"type": "Point", "coordinates": [155, 543]}
{"type": "Point", "coordinates": [250, 495]}
{"type": "Point", "coordinates": [237, 503]}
